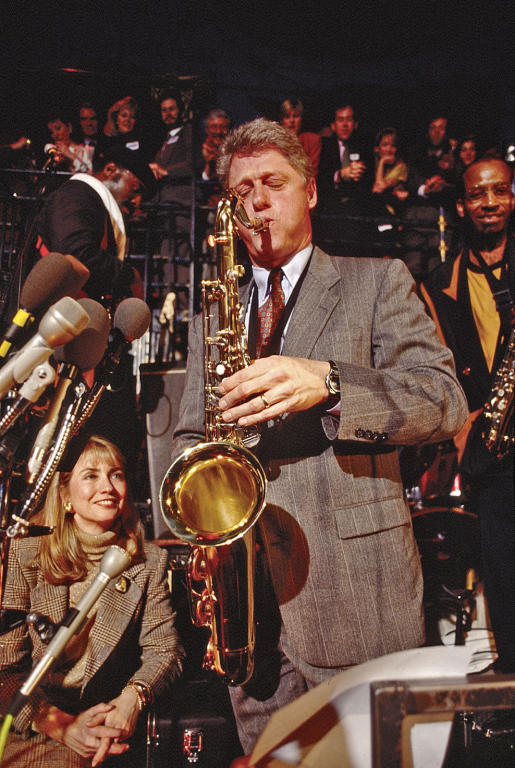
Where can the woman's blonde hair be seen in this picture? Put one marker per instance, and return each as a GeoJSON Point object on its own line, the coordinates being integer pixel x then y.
{"type": "Point", "coordinates": [111, 126]}
{"type": "Point", "coordinates": [61, 555]}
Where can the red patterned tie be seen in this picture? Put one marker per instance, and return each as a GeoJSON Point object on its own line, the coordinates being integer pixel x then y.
{"type": "Point", "coordinates": [270, 313]}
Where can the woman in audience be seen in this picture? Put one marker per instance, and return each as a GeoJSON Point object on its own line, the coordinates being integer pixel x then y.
{"type": "Point", "coordinates": [123, 126]}
{"type": "Point", "coordinates": [292, 111]}
{"type": "Point", "coordinates": [126, 653]}
{"type": "Point", "coordinates": [70, 156]}
{"type": "Point", "coordinates": [391, 172]}
{"type": "Point", "coordinates": [466, 152]}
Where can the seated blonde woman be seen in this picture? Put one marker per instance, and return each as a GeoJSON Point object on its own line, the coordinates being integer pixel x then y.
{"type": "Point", "coordinates": [126, 654]}
{"type": "Point", "coordinates": [391, 173]}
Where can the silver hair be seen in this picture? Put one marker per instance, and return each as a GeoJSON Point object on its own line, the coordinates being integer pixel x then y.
{"type": "Point", "coordinates": [217, 112]}
{"type": "Point", "coordinates": [260, 135]}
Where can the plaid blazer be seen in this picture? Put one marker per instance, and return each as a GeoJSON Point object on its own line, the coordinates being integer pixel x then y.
{"type": "Point", "coordinates": [133, 637]}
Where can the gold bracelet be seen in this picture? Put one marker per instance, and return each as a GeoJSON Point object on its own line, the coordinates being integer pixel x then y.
{"type": "Point", "coordinates": [143, 692]}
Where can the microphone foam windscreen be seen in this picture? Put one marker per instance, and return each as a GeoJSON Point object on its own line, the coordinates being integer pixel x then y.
{"type": "Point", "coordinates": [51, 278]}
{"type": "Point", "coordinates": [132, 318]}
{"type": "Point", "coordinates": [86, 350]}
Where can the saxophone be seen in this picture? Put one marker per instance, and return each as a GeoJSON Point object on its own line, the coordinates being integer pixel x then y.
{"type": "Point", "coordinates": [497, 414]}
{"type": "Point", "coordinates": [214, 492]}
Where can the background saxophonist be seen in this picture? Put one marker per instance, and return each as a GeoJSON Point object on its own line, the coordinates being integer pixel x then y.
{"type": "Point", "coordinates": [337, 546]}
{"type": "Point", "coordinates": [460, 296]}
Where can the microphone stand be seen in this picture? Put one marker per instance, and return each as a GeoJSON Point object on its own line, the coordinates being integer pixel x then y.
{"type": "Point", "coordinates": [29, 504]}
{"type": "Point", "coordinates": [16, 277]}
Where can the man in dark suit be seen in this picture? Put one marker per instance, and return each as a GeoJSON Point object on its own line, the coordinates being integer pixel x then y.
{"type": "Point", "coordinates": [345, 185]}
{"type": "Point", "coordinates": [360, 372]}
{"type": "Point", "coordinates": [84, 217]}
{"type": "Point", "coordinates": [471, 298]}
{"type": "Point", "coordinates": [342, 171]}
{"type": "Point", "coordinates": [432, 186]}
{"type": "Point", "coordinates": [175, 166]}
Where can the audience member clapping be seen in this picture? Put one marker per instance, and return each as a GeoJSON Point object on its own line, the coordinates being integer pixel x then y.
{"type": "Point", "coordinates": [217, 123]}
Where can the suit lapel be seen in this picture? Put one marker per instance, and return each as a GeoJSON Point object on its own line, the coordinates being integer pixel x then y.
{"type": "Point", "coordinates": [315, 304]}
{"type": "Point", "coordinates": [116, 608]}
{"type": "Point", "coordinates": [317, 300]}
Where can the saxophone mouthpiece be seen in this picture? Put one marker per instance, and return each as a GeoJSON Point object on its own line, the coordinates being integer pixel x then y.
{"type": "Point", "coordinates": [255, 224]}
{"type": "Point", "coordinates": [258, 225]}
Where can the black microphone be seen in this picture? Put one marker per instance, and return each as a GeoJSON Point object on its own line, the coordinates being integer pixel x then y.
{"type": "Point", "coordinates": [132, 318]}
{"type": "Point", "coordinates": [29, 530]}
{"type": "Point", "coordinates": [52, 154]}
{"type": "Point", "coordinates": [86, 350]}
{"type": "Point", "coordinates": [51, 278]}
{"type": "Point", "coordinates": [61, 323]}
{"type": "Point", "coordinates": [131, 321]}
{"type": "Point", "coordinates": [114, 561]}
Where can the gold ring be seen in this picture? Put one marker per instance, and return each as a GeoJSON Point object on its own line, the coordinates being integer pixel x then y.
{"type": "Point", "coordinates": [265, 401]}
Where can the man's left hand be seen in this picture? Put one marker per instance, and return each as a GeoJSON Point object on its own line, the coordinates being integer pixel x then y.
{"type": "Point", "coordinates": [271, 387]}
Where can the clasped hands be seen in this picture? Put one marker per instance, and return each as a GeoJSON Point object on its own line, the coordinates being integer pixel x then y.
{"type": "Point", "coordinates": [271, 387]}
{"type": "Point", "coordinates": [96, 732]}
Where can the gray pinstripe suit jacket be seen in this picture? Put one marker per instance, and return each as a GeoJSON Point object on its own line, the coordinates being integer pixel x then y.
{"type": "Point", "coordinates": [343, 559]}
{"type": "Point", "coordinates": [133, 635]}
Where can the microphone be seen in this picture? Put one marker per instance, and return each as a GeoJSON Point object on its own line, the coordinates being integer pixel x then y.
{"type": "Point", "coordinates": [80, 354]}
{"type": "Point", "coordinates": [30, 391]}
{"type": "Point", "coordinates": [131, 320]}
{"type": "Point", "coordinates": [86, 351]}
{"type": "Point", "coordinates": [62, 417]}
{"type": "Point", "coordinates": [114, 561]}
{"type": "Point", "coordinates": [52, 154]}
{"type": "Point", "coordinates": [51, 278]}
{"type": "Point", "coordinates": [61, 323]}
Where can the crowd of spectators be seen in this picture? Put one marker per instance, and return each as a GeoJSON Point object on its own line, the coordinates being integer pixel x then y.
{"type": "Point", "coordinates": [366, 188]}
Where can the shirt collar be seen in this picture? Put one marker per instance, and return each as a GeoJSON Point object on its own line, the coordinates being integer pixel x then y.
{"type": "Point", "coordinates": [291, 273]}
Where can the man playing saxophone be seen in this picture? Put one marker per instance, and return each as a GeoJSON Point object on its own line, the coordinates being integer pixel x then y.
{"type": "Point", "coordinates": [348, 367]}
{"type": "Point", "coordinates": [471, 299]}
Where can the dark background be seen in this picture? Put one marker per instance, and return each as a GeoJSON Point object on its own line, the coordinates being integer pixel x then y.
{"type": "Point", "coordinates": [399, 62]}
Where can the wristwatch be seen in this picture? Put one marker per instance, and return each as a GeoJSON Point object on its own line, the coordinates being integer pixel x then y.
{"type": "Point", "coordinates": [332, 380]}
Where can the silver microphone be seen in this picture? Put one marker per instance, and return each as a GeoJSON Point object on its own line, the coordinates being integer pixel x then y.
{"type": "Point", "coordinates": [52, 153]}
{"type": "Point", "coordinates": [113, 563]}
{"type": "Point", "coordinates": [62, 322]}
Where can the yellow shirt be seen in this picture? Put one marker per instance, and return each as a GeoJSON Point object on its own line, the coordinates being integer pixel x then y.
{"type": "Point", "coordinates": [485, 312]}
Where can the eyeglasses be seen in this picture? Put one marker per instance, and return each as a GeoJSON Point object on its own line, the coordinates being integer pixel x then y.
{"type": "Point", "coordinates": [498, 190]}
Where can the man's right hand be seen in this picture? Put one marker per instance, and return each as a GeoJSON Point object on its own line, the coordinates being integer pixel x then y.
{"type": "Point", "coordinates": [353, 171]}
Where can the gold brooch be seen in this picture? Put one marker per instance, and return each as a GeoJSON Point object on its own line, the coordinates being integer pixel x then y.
{"type": "Point", "coordinates": [122, 585]}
